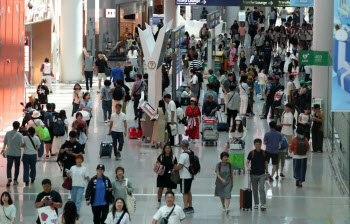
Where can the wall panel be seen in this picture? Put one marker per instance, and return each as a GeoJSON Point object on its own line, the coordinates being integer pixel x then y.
{"type": "Point", "coordinates": [11, 60]}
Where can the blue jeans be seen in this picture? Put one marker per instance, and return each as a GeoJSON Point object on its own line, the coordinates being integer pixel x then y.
{"type": "Point", "coordinates": [107, 108]}
{"type": "Point", "coordinates": [41, 149]}
{"type": "Point", "coordinates": [299, 167]}
{"type": "Point", "coordinates": [117, 137]}
{"type": "Point", "coordinates": [76, 195]}
{"type": "Point", "coordinates": [29, 167]}
{"type": "Point", "coordinates": [10, 160]}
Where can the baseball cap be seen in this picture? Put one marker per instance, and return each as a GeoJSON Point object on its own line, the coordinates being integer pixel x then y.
{"type": "Point", "coordinates": [308, 82]}
{"type": "Point", "coordinates": [302, 82]}
{"type": "Point", "coordinates": [193, 99]}
{"type": "Point", "coordinates": [100, 166]}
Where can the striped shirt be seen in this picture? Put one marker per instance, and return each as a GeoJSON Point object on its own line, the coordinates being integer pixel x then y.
{"type": "Point", "coordinates": [195, 64]}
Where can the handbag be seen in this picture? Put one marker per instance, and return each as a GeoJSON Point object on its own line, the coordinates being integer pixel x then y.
{"type": "Point", "coordinates": [47, 214]}
{"type": "Point", "coordinates": [67, 184]}
{"type": "Point", "coordinates": [165, 220]}
{"type": "Point", "coordinates": [173, 129]}
{"type": "Point", "coordinates": [43, 133]}
{"type": "Point", "coordinates": [175, 177]}
{"type": "Point", "coordinates": [159, 168]}
{"type": "Point", "coordinates": [130, 200]}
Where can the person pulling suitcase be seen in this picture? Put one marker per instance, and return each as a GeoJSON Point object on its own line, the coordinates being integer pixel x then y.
{"type": "Point", "coordinates": [257, 166]}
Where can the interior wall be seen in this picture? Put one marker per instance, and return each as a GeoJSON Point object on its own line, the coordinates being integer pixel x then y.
{"type": "Point", "coordinates": [41, 38]}
{"type": "Point", "coordinates": [12, 33]}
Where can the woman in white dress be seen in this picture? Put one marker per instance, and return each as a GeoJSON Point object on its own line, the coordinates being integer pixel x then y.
{"type": "Point", "coordinates": [244, 93]}
{"type": "Point", "coordinates": [58, 141]}
{"type": "Point", "coordinates": [180, 126]}
{"type": "Point", "coordinates": [293, 69]}
{"type": "Point", "coordinates": [132, 55]}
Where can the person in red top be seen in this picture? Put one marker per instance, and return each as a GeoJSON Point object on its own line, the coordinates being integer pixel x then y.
{"type": "Point", "coordinates": [299, 147]}
{"type": "Point", "coordinates": [194, 114]}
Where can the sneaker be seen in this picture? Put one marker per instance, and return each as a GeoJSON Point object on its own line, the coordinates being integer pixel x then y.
{"type": "Point", "coordinates": [69, 197]}
{"type": "Point", "coordinates": [15, 182]}
{"type": "Point", "coordinates": [223, 209]}
{"type": "Point", "coordinates": [263, 118]}
{"type": "Point", "coordinates": [282, 175]}
{"type": "Point", "coordinates": [256, 206]}
{"type": "Point", "coordinates": [177, 145]}
{"type": "Point", "coordinates": [262, 98]}
{"type": "Point", "coordinates": [27, 184]}
{"type": "Point", "coordinates": [227, 211]}
{"type": "Point", "coordinates": [186, 211]}
{"type": "Point", "coordinates": [191, 209]}
{"type": "Point", "coordinates": [276, 177]}
{"type": "Point", "coordinates": [32, 180]}
{"type": "Point", "coordinates": [118, 154]}
{"type": "Point", "coordinates": [106, 121]}
{"type": "Point", "coordinates": [263, 207]}
{"type": "Point", "coordinates": [158, 205]}
{"type": "Point", "coordinates": [8, 182]}
{"type": "Point", "coordinates": [53, 155]}
{"type": "Point", "coordinates": [270, 179]}
{"type": "Point", "coordinates": [50, 91]}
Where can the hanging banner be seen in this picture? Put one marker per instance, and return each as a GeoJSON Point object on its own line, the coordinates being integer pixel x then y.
{"type": "Point", "coordinates": [265, 3]}
{"type": "Point", "coordinates": [209, 2]}
{"type": "Point", "coordinates": [319, 58]}
{"type": "Point", "coordinates": [341, 58]}
{"type": "Point", "coordinates": [302, 3]}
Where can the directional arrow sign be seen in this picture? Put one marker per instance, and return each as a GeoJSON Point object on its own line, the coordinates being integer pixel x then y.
{"type": "Point", "coordinates": [265, 3]}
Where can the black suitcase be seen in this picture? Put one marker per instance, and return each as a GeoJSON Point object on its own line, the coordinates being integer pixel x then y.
{"type": "Point", "coordinates": [106, 149]}
{"type": "Point", "coordinates": [222, 125]}
{"type": "Point", "coordinates": [246, 197]}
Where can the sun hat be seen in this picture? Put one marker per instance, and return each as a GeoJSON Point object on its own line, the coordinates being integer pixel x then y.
{"type": "Point", "coordinates": [238, 118]}
{"type": "Point", "coordinates": [36, 114]}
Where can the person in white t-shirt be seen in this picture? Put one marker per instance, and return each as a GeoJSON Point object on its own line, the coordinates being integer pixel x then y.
{"type": "Point", "coordinates": [118, 129]}
{"type": "Point", "coordinates": [262, 82]}
{"type": "Point", "coordinates": [304, 120]}
{"type": "Point", "coordinates": [173, 213]}
{"type": "Point", "coordinates": [171, 109]}
{"type": "Point", "coordinates": [185, 177]}
{"type": "Point", "coordinates": [7, 209]}
{"type": "Point", "coordinates": [287, 123]}
{"type": "Point", "coordinates": [31, 145]}
{"type": "Point", "coordinates": [79, 176]}
{"type": "Point", "coordinates": [119, 213]}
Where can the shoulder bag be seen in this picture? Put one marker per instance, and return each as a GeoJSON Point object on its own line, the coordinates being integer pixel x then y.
{"type": "Point", "coordinates": [159, 168]}
{"type": "Point", "coordinates": [165, 220]}
{"type": "Point", "coordinates": [121, 218]}
{"type": "Point", "coordinates": [31, 140]}
{"type": "Point", "coordinates": [3, 207]}
{"type": "Point", "coordinates": [130, 200]}
{"type": "Point", "coordinates": [134, 95]}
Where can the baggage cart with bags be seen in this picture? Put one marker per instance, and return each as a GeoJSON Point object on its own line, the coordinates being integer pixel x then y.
{"type": "Point", "coordinates": [210, 130]}
{"type": "Point", "coordinates": [236, 156]}
{"type": "Point", "coordinates": [245, 197]}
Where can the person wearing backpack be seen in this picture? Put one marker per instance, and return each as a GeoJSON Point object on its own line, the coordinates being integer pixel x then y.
{"type": "Point", "coordinates": [118, 94]}
{"type": "Point", "coordinates": [287, 123]}
{"type": "Point", "coordinates": [46, 70]}
{"type": "Point", "coordinates": [48, 121]}
{"type": "Point", "coordinates": [271, 88]}
{"type": "Point", "coordinates": [278, 103]}
{"type": "Point", "coordinates": [186, 177]}
{"type": "Point", "coordinates": [281, 153]}
{"type": "Point", "coordinates": [88, 68]}
{"type": "Point", "coordinates": [257, 165]}
{"type": "Point", "coordinates": [224, 181]}
{"type": "Point", "coordinates": [169, 213]}
{"type": "Point", "coordinates": [299, 147]}
{"type": "Point", "coordinates": [60, 130]}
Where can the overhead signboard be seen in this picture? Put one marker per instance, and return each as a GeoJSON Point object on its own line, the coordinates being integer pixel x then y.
{"type": "Point", "coordinates": [177, 36]}
{"type": "Point", "coordinates": [319, 58]}
{"type": "Point", "coordinates": [241, 16]}
{"type": "Point", "coordinates": [341, 58]}
{"type": "Point", "coordinates": [209, 2]}
{"type": "Point", "coordinates": [302, 3]}
{"type": "Point", "coordinates": [213, 19]}
{"type": "Point", "coordinates": [37, 11]}
{"type": "Point", "coordinates": [265, 3]}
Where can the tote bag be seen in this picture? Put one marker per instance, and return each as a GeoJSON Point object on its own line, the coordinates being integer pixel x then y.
{"type": "Point", "coordinates": [130, 200]}
{"type": "Point", "coordinates": [43, 133]}
{"type": "Point", "coordinates": [47, 214]}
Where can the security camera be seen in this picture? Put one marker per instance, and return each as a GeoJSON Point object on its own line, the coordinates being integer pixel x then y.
{"type": "Point", "coordinates": [30, 4]}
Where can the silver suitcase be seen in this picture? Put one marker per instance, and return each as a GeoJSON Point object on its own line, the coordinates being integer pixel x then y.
{"type": "Point", "coordinates": [210, 135]}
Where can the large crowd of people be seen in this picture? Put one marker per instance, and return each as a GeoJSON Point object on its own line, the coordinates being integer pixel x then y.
{"type": "Point", "coordinates": [230, 92]}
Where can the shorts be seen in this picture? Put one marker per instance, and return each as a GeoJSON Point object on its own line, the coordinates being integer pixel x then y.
{"type": "Point", "coordinates": [273, 156]}
{"type": "Point", "coordinates": [102, 76]}
{"type": "Point", "coordinates": [185, 185]}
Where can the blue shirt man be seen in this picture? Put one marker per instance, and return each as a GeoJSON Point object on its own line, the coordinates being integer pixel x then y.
{"type": "Point", "coordinates": [117, 73]}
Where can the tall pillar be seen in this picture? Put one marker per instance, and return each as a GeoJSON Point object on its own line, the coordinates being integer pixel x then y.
{"type": "Point", "coordinates": [231, 16]}
{"type": "Point", "coordinates": [188, 13]}
{"type": "Point", "coordinates": [323, 41]}
{"type": "Point", "coordinates": [71, 40]}
{"type": "Point", "coordinates": [171, 12]}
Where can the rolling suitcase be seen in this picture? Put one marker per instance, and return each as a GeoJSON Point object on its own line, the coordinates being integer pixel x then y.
{"type": "Point", "coordinates": [245, 197]}
{"type": "Point", "coordinates": [106, 148]}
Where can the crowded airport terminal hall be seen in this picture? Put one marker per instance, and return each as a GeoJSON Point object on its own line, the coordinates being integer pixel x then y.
{"type": "Point", "coordinates": [174, 112]}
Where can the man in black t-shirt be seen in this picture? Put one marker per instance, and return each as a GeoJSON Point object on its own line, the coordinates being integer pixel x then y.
{"type": "Point", "coordinates": [129, 70]}
{"type": "Point", "coordinates": [33, 104]}
{"type": "Point", "coordinates": [69, 150]}
{"type": "Point", "coordinates": [48, 197]}
{"type": "Point", "coordinates": [101, 64]}
{"type": "Point", "coordinates": [257, 165]}
{"type": "Point", "coordinates": [42, 92]}
{"type": "Point", "coordinates": [261, 20]}
{"type": "Point", "coordinates": [267, 50]}
{"type": "Point", "coordinates": [256, 14]}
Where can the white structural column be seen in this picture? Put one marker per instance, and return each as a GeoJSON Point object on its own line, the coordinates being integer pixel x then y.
{"type": "Point", "coordinates": [71, 40]}
{"type": "Point", "coordinates": [171, 12]}
{"type": "Point", "coordinates": [188, 13]}
{"type": "Point", "coordinates": [322, 41]}
{"type": "Point", "coordinates": [231, 16]}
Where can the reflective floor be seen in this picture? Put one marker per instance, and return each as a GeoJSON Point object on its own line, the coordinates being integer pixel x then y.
{"type": "Point", "coordinates": [318, 201]}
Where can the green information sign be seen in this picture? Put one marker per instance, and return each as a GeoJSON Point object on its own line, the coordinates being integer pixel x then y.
{"type": "Point", "coordinates": [265, 3]}
{"type": "Point", "coordinates": [319, 58]}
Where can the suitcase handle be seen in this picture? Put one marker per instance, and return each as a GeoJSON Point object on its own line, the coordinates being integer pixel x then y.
{"type": "Point", "coordinates": [249, 181]}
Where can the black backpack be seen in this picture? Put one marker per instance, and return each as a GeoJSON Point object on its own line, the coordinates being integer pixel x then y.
{"type": "Point", "coordinates": [195, 166]}
{"type": "Point", "coordinates": [58, 128]}
{"type": "Point", "coordinates": [48, 119]}
{"type": "Point", "coordinates": [273, 90]}
{"type": "Point", "coordinates": [118, 93]}
{"type": "Point", "coordinates": [301, 146]}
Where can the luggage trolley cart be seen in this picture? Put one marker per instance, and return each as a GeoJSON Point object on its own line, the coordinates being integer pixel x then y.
{"type": "Point", "coordinates": [237, 155]}
{"type": "Point", "coordinates": [210, 132]}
